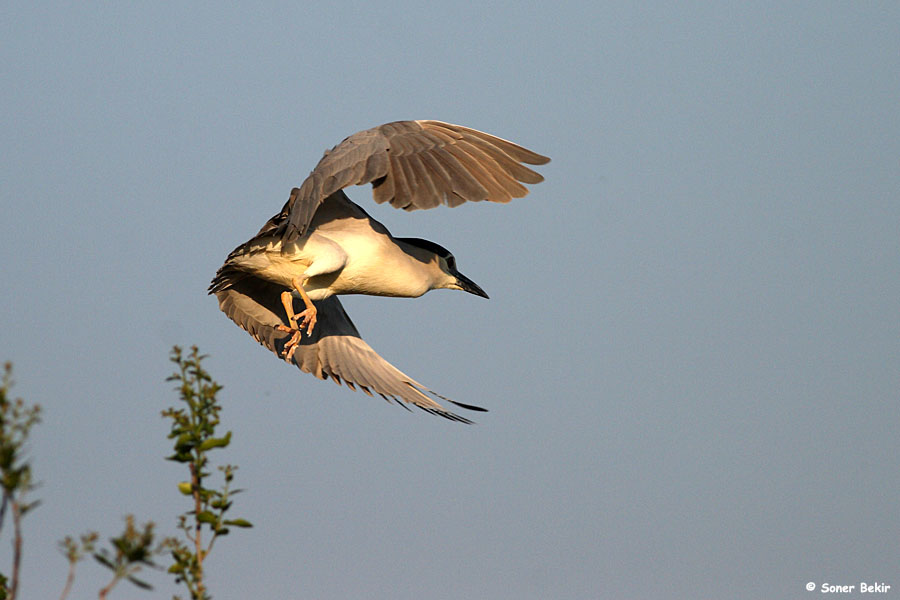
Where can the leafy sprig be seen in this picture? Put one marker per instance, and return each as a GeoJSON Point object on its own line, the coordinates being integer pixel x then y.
{"type": "Point", "coordinates": [194, 431]}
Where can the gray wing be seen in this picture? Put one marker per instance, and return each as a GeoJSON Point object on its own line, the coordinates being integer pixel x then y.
{"type": "Point", "coordinates": [334, 350]}
{"type": "Point", "coordinates": [416, 164]}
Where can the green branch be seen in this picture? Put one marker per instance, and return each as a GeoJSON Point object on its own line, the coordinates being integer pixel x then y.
{"type": "Point", "coordinates": [194, 431]}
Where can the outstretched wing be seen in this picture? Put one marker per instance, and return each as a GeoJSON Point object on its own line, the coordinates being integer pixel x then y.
{"type": "Point", "coordinates": [334, 350]}
{"type": "Point", "coordinates": [413, 165]}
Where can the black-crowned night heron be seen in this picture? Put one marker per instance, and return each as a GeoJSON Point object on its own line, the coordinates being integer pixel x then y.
{"type": "Point", "coordinates": [287, 278]}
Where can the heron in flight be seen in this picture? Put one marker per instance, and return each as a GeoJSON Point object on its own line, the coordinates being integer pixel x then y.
{"type": "Point", "coordinates": [282, 285]}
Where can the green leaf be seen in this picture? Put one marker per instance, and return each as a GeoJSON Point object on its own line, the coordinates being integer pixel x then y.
{"type": "Point", "coordinates": [220, 505]}
{"type": "Point", "coordinates": [239, 523]}
{"type": "Point", "coordinates": [184, 442]}
{"type": "Point", "coordinates": [11, 481]}
{"type": "Point", "coordinates": [139, 583]}
{"type": "Point", "coordinates": [206, 517]}
{"type": "Point", "coordinates": [185, 488]}
{"type": "Point", "coordinates": [216, 442]}
{"type": "Point", "coordinates": [104, 561]}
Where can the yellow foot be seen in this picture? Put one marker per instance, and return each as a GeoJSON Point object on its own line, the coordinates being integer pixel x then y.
{"type": "Point", "coordinates": [291, 346]}
{"type": "Point", "coordinates": [307, 319]}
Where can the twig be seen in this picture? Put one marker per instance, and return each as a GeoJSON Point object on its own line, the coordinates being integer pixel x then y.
{"type": "Point", "coordinates": [198, 540]}
{"type": "Point", "coordinates": [3, 509]}
{"type": "Point", "coordinates": [70, 579]}
{"type": "Point", "coordinates": [104, 591]}
{"type": "Point", "coordinates": [17, 548]}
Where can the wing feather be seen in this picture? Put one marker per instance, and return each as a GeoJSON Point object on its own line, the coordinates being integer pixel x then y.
{"type": "Point", "coordinates": [509, 165]}
{"type": "Point", "coordinates": [418, 190]}
{"type": "Point", "coordinates": [462, 183]}
{"type": "Point", "coordinates": [480, 172]}
{"type": "Point", "coordinates": [402, 190]}
{"type": "Point", "coordinates": [334, 350]}
{"type": "Point", "coordinates": [429, 194]}
{"type": "Point", "coordinates": [494, 164]}
{"type": "Point", "coordinates": [514, 150]}
{"type": "Point", "coordinates": [415, 165]}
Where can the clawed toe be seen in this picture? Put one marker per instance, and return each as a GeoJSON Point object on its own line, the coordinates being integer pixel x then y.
{"type": "Point", "coordinates": [291, 345]}
{"type": "Point", "coordinates": [307, 319]}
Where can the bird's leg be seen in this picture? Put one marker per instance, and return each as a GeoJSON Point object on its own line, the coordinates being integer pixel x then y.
{"type": "Point", "coordinates": [308, 317]}
{"type": "Point", "coordinates": [287, 300]}
{"type": "Point", "coordinates": [309, 314]}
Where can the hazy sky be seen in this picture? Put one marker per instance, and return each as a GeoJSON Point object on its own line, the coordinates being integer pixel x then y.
{"type": "Point", "coordinates": [691, 354]}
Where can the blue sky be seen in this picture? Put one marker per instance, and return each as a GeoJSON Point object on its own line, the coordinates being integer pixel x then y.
{"type": "Point", "coordinates": [691, 349]}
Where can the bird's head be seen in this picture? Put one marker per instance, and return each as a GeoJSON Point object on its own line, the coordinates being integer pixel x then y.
{"type": "Point", "coordinates": [459, 281]}
{"type": "Point", "coordinates": [447, 277]}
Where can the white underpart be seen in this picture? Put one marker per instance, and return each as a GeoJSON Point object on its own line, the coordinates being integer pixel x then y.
{"type": "Point", "coordinates": [345, 262]}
